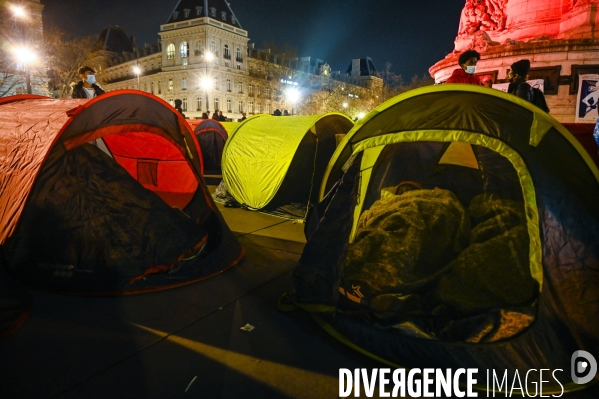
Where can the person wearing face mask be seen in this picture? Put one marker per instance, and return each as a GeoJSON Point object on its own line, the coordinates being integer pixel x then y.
{"type": "Point", "coordinates": [465, 74]}
{"type": "Point", "coordinates": [87, 87]}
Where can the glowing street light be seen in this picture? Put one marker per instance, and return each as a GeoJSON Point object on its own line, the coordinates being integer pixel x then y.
{"type": "Point", "coordinates": [137, 71]}
{"type": "Point", "coordinates": [345, 105]}
{"type": "Point", "coordinates": [206, 82]}
{"type": "Point", "coordinates": [292, 95]}
{"type": "Point", "coordinates": [18, 11]}
{"type": "Point", "coordinates": [25, 57]}
{"type": "Point", "coordinates": [361, 115]}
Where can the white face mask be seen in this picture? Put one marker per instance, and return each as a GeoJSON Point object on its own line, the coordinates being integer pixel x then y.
{"type": "Point", "coordinates": [91, 79]}
{"type": "Point", "coordinates": [470, 69]}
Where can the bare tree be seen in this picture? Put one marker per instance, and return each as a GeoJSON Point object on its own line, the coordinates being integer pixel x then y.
{"type": "Point", "coordinates": [64, 57]}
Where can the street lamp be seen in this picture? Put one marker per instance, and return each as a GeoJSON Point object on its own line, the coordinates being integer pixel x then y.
{"type": "Point", "coordinates": [23, 54]}
{"type": "Point", "coordinates": [292, 96]}
{"type": "Point", "coordinates": [137, 71]}
{"type": "Point", "coordinates": [25, 57]}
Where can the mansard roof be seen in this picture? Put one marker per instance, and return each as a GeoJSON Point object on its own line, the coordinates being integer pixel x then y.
{"type": "Point", "coordinates": [114, 38]}
{"type": "Point", "coordinates": [366, 67]}
{"type": "Point", "coordinates": [215, 9]}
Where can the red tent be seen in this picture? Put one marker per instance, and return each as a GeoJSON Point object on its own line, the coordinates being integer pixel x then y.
{"type": "Point", "coordinates": [62, 170]}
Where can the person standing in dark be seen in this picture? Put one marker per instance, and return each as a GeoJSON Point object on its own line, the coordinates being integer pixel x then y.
{"type": "Point", "coordinates": [285, 113]}
{"type": "Point", "coordinates": [277, 112]}
{"type": "Point", "coordinates": [517, 77]}
{"type": "Point", "coordinates": [215, 115]}
{"type": "Point", "coordinates": [87, 86]}
{"type": "Point", "coordinates": [221, 117]}
{"type": "Point", "coordinates": [178, 107]}
{"type": "Point", "coordinates": [465, 73]}
{"type": "Point", "coordinates": [243, 117]}
{"type": "Point", "coordinates": [205, 116]}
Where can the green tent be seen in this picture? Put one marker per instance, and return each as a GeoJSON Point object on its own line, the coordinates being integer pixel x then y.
{"type": "Point", "coordinates": [457, 227]}
{"type": "Point", "coordinates": [275, 164]}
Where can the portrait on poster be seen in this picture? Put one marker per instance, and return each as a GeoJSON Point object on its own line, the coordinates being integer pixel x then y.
{"type": "Point", "coordinates": [587, 99]}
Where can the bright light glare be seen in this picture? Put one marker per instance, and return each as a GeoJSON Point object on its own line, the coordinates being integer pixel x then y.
{"type": "Point", "coordinates": [361, 115]}
{"type": "Point", "coordinates": [209, 56]}
{"type": "Point", "coordinates": [206, 83]}
{"type": "Point", "coordinates": [24, 55]}
{"type": "Point", "coordinates": [136, 70]}
{"type": "Point", "coordinates": [344, 105]}
{"type": "Point", "coordinates": [292, 95]}
{"type": "Point", "coordinates": [18, 11]}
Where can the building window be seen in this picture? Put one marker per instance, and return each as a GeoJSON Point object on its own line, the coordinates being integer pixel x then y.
{"type": "Point", "coordinates": [241, 87]}
{"type": "Point", "coordinates": [184, 83]}
{"type": "Point", "coordinates": [223, 15]}
{"type": "Point", "coordinates": [215, 104]}
{"type": "Point", "coordinates": [184, 105]}
{"type": "Point", "coordinates": [226, 52]}
{"type": "Point", "coordinates": [251, 106]}
{"type": "Point", "coordinates": [184, 50]}
{"type": "Point", "coordinates": [258, 108]}
{"type": "Point", "coordinates": [170, 85]}
{"type": "Point", "coordinates": [159, 88]}
{"type": "Point", "coordinates": [198, 11]}
{"type": "Point", "coordinates": [251, 89]}
{"type": "Point", "coordinates": [170, 52]}
{"type": "Point", "coordinates": [145, 87]}
{"type": "Point", "coordinates": [267, 108]}
{"type": "Point", "coordinates": [152, 87]}
{"type": "Point", "coordinates": [184, 63]}
{"type": "Point", "coordinates": [259, 90]}
{"type": "Point", "coordinates": [198, 104]}
{"type": "Point", "coordinates": [228, 84]}
{"type": "Point", "coordinates": [268, 92]}
{"type": "Point", "coordinates": [238, 57]}
{"type": "Point", "coordinates": [198, 48]}
{"type": "Point", "coordinates": [212, 12]}
{"type": "Point", "coordinates": [213, 47]}
{"type": "Point", "coordinates": [233, 19]}
{"type": "Point", "coordinates": [240, 106]}
{"type": "Point", "coordinates": [216, 83]}
{"type": "Point", "coordinates": [229, 106]}
{"type": "Point", "coordinates": [238, 66]}
{"type": "Point", "coordinates": [186, 12]}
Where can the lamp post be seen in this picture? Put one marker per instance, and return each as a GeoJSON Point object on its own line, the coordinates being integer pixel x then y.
{"type": "Point", "coordinates": [293, 96]}
{"type": "Point", "coordinates": [24, 57]}
{"type": "Point", "coordinates": [206, 82]}
{"type": "Point", "coordinates": [137, 71]}
{"type": "Point", "coordinates": [23, 54]}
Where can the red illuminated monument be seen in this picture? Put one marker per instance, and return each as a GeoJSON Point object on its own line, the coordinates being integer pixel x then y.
{"type": "Point", "coordinates": [560, 38]}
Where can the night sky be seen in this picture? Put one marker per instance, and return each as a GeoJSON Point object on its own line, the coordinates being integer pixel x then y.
{"type": "Point", "coordinates": [411, 34]}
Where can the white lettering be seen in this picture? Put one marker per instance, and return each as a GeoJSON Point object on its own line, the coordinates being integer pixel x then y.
{"type": "Point", "coordinates": [533, 383]}
{"type": "Point", "coordinates": [369, 385]}
{"type": "Point", "coordinates": [541, 383]}
{"type": "Point", "coordinates": [471, 383]}
{"type": "Point", "coordinates": [443, 381]}
{"type": "Point", "coordinates": [383, 381]}
{"type": "Point", "coordinates": [456, 384]}
{"type": "Point", "coordinates": [399, 383]}
{"type": "Point", "coordinates": [345, 389]}
{"type": "Point", "coordinates": [503, 380]}
{"type": "Point", "coordinates": [517, 377]}
{"type": "Point", "coordinates": [426, 382]}
{"type": "Point", "coordinates": [560, 384]}
{"type": "Point", "coordinates": [412, 383]}
{"type": "Point", "coordinates": [357, 383]}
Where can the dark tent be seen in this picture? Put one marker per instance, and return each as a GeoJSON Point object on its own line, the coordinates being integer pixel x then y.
{"type": "Point", "coordinates": [457, 228]}
{"type": "Point", "coordinates": [211, 136]}
{"type": "Point", "coordinates": [106, 196]}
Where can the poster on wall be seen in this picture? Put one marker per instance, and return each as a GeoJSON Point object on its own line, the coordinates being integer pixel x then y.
{"type": "Point", "coordinates": [538, 83]}
{"type": "Point", "coordinates": [587, 99]}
